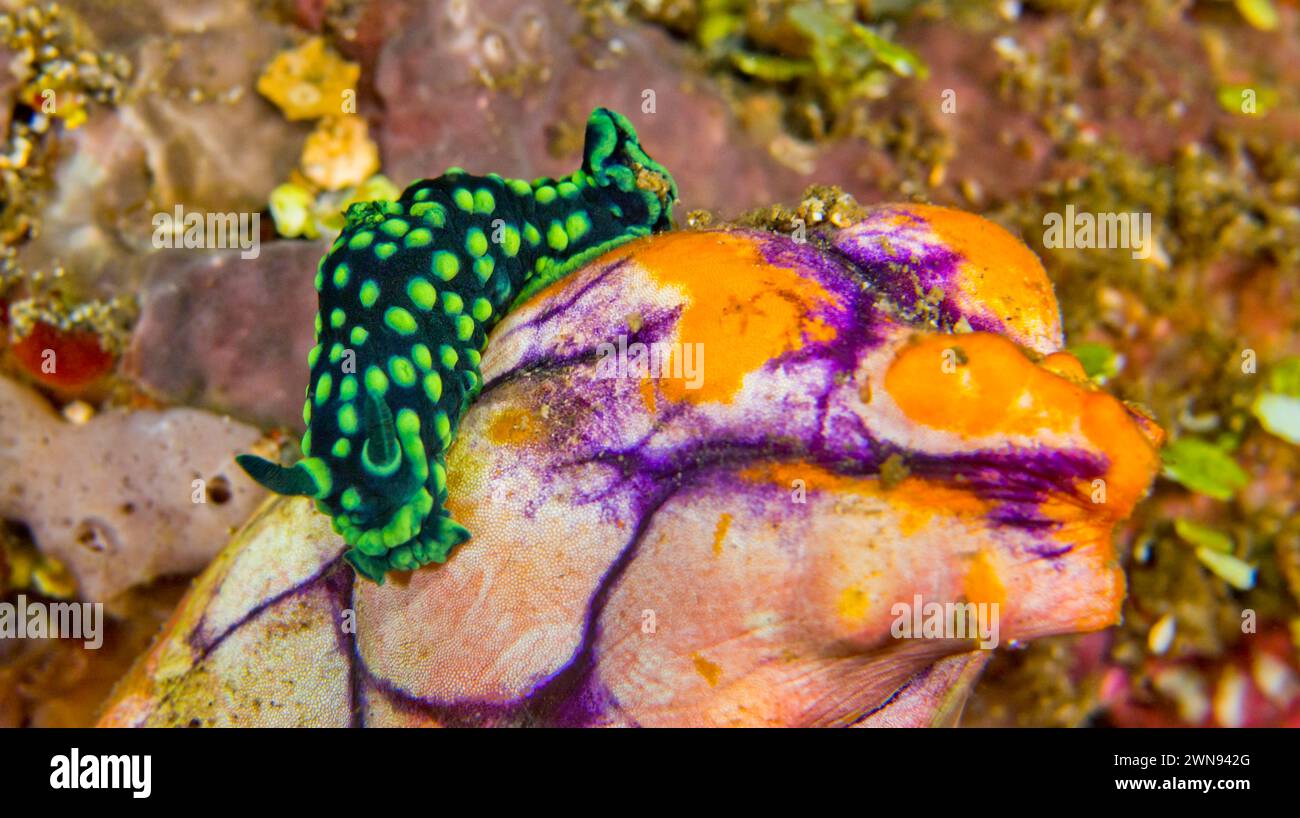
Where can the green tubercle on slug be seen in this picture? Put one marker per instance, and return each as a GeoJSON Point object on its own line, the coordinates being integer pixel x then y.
{"type": "Point", "coordinates": [413, 288]}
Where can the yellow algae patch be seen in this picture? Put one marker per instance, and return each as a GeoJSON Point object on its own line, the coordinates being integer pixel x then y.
{"type": "Point", "coordinates": [999, 272]}
{"type": "Point", "coordinates": [310, 81]}
{"type": "Point", "coordinates": [514, 427]}
{"type": "Point", "coordinates": [710, 671]}
{"type": "Point", "coordinates": [982, 582]}
{"type": "Point", "coordinates": [993, 390]}
{"type": "Point", "coordinates": [339, 153]}
{"type": "Point", "coordinates": [853, 604]}
{"type": "Point", "coordinates": [720, 533]}
{"type": "Point", "coordinates": [464, 470]}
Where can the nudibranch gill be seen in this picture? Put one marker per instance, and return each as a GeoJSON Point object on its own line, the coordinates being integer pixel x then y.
{"type": "Point", "coordinates": [408, 294]}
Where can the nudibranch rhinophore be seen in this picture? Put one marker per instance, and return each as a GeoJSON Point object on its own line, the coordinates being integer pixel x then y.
{"type": "Point", "coordinates": [408, 294]}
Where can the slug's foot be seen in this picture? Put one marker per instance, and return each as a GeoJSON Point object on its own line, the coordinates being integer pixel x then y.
{"type": "Point", "coordinates": [434, 544]}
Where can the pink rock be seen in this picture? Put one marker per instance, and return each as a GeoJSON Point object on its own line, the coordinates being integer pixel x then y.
{"type": "Point", "coordinates": [439, 111]}
{"type": "Point", "coordinates": [228, 333]}
{"type": "Point", "coordinates": [114, 499]}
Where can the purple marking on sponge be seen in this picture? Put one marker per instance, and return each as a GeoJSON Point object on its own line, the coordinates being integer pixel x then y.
{"type": "Point", "coordinates": [1012, 475]}
{"type": "Point", "coordinates": [1018, 481]}
{"type": "Point", "coordinates": [573, 696]}
{"type": "Point", "coordinates": [782, 251]}
{"type": "Point", "coordinates": [640, 470]}
{"type": "Point", "coordinates": [655, 328]}
{"type": "Point", "coordinates": [569, 696]}
{"type": "Point", "coordinates": [341, 585]}
{"type": "Point", "coordinates": [841, 442]}
{"type": "Point", "coordinates": [204, 642]}
{"type": "Point", "coordinates": [1018, 514]}
{"type": "Point", "coordinates": [563, 306]}
{"type": "Point", "coordinates": [896, 251]}
{"type": "Point", "coordinates": [858, 324]}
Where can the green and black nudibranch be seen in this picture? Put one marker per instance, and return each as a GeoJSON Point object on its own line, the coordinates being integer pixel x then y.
{"type": "Point", "coordinates": [408, 294]}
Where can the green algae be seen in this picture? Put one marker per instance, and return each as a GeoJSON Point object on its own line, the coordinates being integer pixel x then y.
{"type": "Point", "coordinates": [822, 56]}
{"type": "Point", "coordinates": [1204, 468]}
